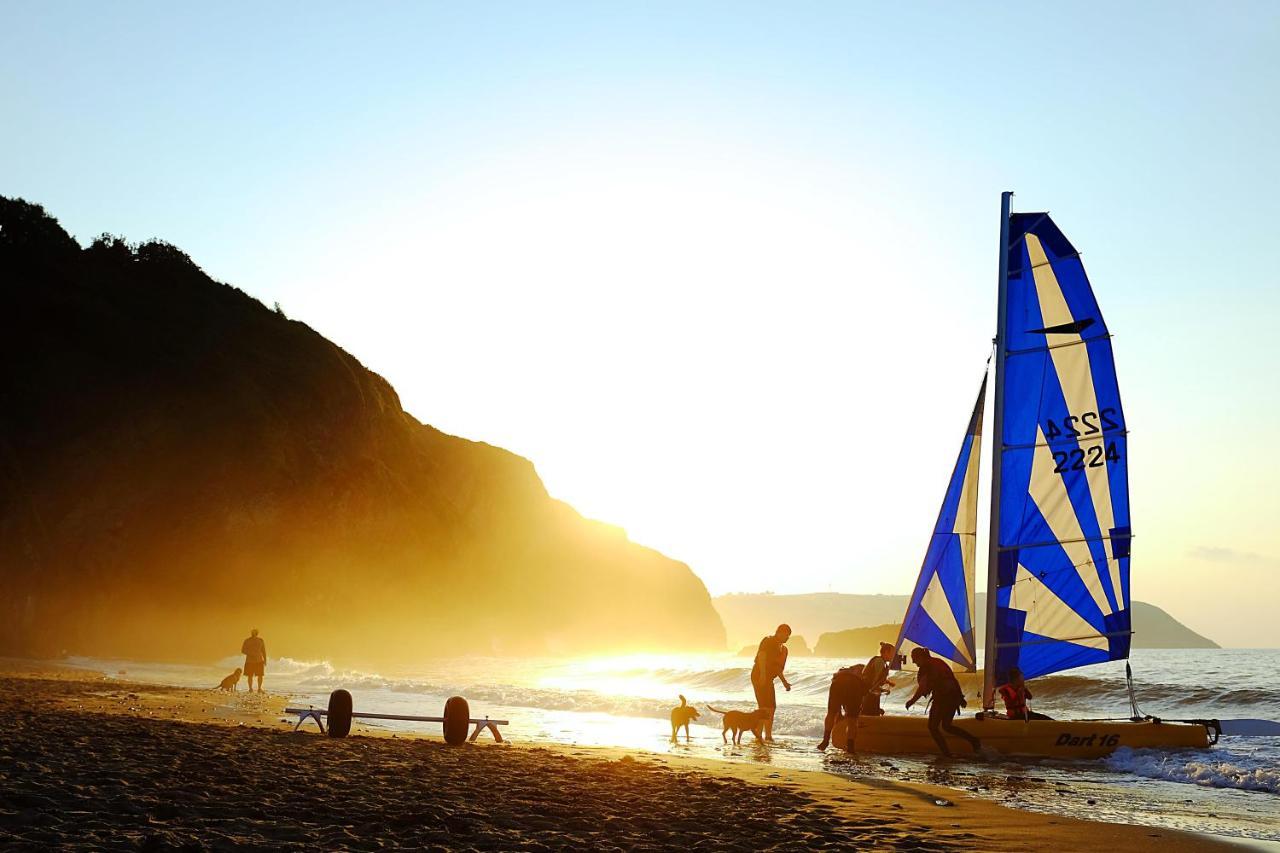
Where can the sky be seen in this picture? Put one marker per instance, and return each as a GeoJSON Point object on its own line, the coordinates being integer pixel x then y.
{"type": "Point", "coordinates": [724, 271]}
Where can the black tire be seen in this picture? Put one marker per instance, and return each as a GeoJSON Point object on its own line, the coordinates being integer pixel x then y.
{"type": "Point", "coordinates": [339, 713]}
{"type": "Point", "coordinates": [457, 717]}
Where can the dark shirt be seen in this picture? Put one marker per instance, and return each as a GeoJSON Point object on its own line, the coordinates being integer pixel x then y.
{"type": "Point", "coordinates": [937, 678]}
{"type": "Point", "coordinates": [254, 648]}
{"type": "Point", "coordinates": [771, 659]}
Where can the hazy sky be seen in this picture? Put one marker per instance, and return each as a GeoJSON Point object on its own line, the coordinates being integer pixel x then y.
{"type": "Point", "coordinates": [725, 272]}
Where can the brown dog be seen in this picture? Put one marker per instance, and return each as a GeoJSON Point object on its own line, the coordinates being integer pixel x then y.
{"type": "Point", "coordinates": [681, 716]}
{"type": "Point", "coordinates": [231, 682]}
{"type": "Point", "coordinates": [741, 721]}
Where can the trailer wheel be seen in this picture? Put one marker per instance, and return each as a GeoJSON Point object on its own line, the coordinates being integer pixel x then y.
{"type": "Point", "coordinates": [339, 713]}
{"type": "Point", "coordinates": [457, 716]}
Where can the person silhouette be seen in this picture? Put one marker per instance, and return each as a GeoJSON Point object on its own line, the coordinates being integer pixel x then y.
{"type": "Point", "coordinates": [254, 649]}
{"type": "Point", "coordinates": [771, 660]}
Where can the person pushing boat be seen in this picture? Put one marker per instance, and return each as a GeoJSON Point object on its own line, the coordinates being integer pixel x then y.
{"type": "Point", "coordinates": [855, 690]}
{"type": "Point", "coordinates": [936, 680]}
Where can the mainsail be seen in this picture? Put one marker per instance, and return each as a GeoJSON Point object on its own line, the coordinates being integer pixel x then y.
{"type": "Point", "coordinates": [1062, 586]}
{"type": "Point", "coordinates": [940, 614]}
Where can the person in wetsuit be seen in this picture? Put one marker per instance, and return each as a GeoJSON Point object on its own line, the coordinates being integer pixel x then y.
{"type": "Point", "coordinates": [1015, 695]}
{"type": "Point", "coordinates": [771, 660]}
{"type": "Point", "coordinates": [937, 680]}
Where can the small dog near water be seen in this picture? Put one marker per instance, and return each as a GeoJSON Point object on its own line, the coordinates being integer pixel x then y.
{"type": "Point", "coordinates": [741, 721]}
{"type": "Point", "coordinates": [681, 716]}
{"type": "Point", "coordinates": [232, 681]}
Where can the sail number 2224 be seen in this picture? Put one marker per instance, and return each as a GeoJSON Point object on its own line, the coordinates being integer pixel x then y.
{"type": "Point", "coordinates": [1083, 426]}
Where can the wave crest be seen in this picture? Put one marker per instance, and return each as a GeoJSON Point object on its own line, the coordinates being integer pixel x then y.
{"type": "Point", "coordinates": [1247, 775]}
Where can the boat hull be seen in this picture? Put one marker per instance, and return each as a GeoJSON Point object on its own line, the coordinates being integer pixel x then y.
{"type": "Point", "coordinates": [904, 735]}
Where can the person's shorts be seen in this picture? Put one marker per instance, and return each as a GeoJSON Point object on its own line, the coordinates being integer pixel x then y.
{"type": "Point", "coordinates": [766, 698]}
{"type": "Point", "coordinates": [845, 694]}
{"type": "Point", "coordinates": [253, 667]}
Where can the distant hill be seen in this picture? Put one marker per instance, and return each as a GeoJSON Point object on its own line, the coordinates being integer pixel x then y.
{"type": "Point", "coordinates": [747, 615]}
{"type": "Point", "coordinates": [856, 642]}
{"type": "Point", "coordinates": [179, 463]}
{"type": "Point", "coordinates": [796, 647]}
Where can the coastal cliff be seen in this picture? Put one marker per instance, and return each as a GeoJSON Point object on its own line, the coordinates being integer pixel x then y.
{"type": "Point", "coordinates": [179, 462]}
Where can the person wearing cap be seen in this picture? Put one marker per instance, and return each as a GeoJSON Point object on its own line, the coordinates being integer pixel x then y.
{"type": "Point", "coordinates": [771, 660]}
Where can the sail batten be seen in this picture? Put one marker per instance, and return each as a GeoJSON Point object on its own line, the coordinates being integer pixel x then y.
{"type": "Point", "coordinates": [1062, 555]}
{"type": "Point", "coordinates": [940, 614]}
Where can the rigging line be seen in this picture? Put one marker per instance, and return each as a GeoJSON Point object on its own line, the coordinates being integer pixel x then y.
{"type": "Point", "coordinates": [1079, 439]}
{"type": "Point", "coordinates": [1048, 347]}
{"type": "Point", "coordinates": [1100, 538]}
{"type": "Point", "coordinates": [1048, 640]}
{"type": "Point", "coordinates": [1032, 227]}
{"type": "Point", "coordinates": [1051, 572]}
{"type": "Point", "coordinates": [1049, 263]}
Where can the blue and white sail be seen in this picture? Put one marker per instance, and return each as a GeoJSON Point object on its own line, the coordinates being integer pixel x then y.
{"type": "Point", "coordinates": [1063, 549]}
{"type": "Point", "coordinates": [940, 614]}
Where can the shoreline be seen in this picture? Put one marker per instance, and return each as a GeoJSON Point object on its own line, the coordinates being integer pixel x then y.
{"type": "Point", "coordinates": [68, 724]}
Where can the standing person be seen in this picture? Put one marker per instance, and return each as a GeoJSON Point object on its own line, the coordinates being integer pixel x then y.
{"type": "Point", "coordinates": [254, 650]}
{"type": "Point", "coordinates": [936, 678]}
{"type": "Point", "coordinates": [771, 660]}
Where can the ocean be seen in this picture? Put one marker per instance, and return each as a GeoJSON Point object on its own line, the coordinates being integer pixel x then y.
{"type": "Point", "coordinates": [1231, 789]}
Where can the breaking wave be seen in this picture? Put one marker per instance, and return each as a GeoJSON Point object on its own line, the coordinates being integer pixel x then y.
{"type": "Point", "coordinates": [1243, 773]}
{"type": "Point", "coordinates": [1082, 688]}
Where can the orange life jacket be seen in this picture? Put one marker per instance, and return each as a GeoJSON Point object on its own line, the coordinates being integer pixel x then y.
{"type": "Point", "coordinates": [1015, 700]}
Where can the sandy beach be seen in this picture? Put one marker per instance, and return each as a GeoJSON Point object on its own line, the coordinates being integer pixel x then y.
{"type": "Point", "coordinates": [92, 762]}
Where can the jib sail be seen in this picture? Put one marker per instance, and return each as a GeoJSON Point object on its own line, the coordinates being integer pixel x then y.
{"type": "Point", "coordinates": [940, 614]}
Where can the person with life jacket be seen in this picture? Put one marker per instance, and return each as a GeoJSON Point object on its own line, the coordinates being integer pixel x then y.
{"type": "Point", "coordinates": [855, 690]}
{"type": "Point", "coordinates": [936, 679]}
{"type": "Point", "coordinates": [1015, 695]}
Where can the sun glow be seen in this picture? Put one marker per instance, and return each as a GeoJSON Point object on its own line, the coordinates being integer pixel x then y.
{"type": "Point", "coordinates": [680, 336]}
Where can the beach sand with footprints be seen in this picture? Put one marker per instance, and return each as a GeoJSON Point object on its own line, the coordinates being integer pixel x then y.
{"type": "Point", "coordinates": [101, 763]}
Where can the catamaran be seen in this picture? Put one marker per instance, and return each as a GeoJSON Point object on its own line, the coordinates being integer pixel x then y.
{"type": "Point", "coordinates": [1058, 546]}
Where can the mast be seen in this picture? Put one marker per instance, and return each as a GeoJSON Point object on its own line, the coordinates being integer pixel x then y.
{"type": "Point", "coordinates": [997, 447]}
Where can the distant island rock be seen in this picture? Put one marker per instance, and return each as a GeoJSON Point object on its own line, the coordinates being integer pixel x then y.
{"type": "Point", "coordinates": [179, 463]}
{"type": "Point", "coordinates": [856, 642]}
{"type": "Point", "coordinates": [796, 647]}
{"type": "Point", "coordinates": [829, 615]}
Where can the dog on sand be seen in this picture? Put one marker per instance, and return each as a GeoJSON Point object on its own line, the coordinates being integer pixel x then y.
{"type": "Point", "coordinates": [681, 716]}
{"type": "Point", "coordinates": [231, 682]}
{"type": "Point", "coordinates": [741, 721]}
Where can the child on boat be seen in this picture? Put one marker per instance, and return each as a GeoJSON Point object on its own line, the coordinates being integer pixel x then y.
{"type": "Point", "coordinates": [1015, 695]}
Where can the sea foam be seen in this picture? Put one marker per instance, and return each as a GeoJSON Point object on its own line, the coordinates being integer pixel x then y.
{"type": "Point", "coordinates": [1241, 772]}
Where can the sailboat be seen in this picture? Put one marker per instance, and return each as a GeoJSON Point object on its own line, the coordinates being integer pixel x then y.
{"type": "Point", "coordinates": [1058, 548]}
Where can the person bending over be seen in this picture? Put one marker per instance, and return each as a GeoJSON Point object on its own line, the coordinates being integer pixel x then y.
{"type": "Point", "coordinates": [771, 660]}
{"type": "Point", "coordinates": [855, 690]}
{"type": "Point", "coordinates": [936, 679]}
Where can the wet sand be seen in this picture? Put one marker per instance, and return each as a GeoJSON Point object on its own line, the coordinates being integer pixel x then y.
{"type": "Point", "coordinates": [100, 763]}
